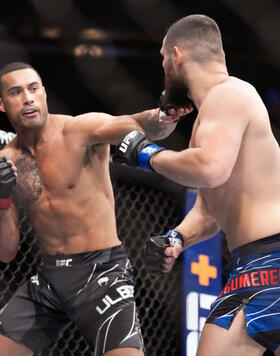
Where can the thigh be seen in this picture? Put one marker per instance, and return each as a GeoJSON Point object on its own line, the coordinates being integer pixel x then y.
{"type": "Point", "coordinates": [218, 341]}
{"type": "Point", "coordinates": [105, 310]}
{"type": "Point", "coordinates": [31, 317]}
{"type": "Point", "coordinates": [117, 327]}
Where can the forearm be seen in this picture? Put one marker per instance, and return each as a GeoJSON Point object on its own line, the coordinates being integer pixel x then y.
{"type": "Point", "coordinates": [9, 235]}
{"type": "Point", "coordinates": [196, 228]}
{"type": "Point", "coordinates": [150, 124]}
{"type": "Point", "coordinates": [186, 167]}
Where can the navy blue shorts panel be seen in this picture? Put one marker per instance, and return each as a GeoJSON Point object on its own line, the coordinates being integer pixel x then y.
{"type": "Point", "coordinates": [94, 290]}
{"type": "Point", "coordinates": [254, 286]}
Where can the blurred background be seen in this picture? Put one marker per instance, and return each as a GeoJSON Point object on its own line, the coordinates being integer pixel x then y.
{"type": "Point", "coordinates": [104, 55]}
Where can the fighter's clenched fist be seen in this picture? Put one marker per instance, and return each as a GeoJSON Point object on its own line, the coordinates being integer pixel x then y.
{"type": "Point", "coordinates": [162, 251]}
{"type": "Point", "coordinates": [8, 180]}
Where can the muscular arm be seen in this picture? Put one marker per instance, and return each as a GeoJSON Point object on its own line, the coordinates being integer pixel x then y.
{"type": "Point", "coordinates": [198, 225]}
{"type": "Point", "coordinates": [223, 119]}
{"type": "Point", "coordinates": [9, 234]}
{"type": "Point", "coordinates": [94, 128]}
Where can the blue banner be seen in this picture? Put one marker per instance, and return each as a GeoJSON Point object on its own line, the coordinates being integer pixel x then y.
{"type": "Point", "coordinates": [202, 283]}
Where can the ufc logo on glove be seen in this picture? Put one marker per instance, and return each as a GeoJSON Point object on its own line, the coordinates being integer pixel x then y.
{"type": "Point", "coordinates": [124, 145]}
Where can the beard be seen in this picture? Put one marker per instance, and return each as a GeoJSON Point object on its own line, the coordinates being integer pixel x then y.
{"type": "Point", "coordinates": [176, 93]}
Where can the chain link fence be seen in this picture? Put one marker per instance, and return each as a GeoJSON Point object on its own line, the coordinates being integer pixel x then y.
{"type": "Point", "coordinates": [146, 204]}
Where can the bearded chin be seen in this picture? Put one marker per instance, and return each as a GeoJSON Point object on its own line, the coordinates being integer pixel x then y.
{"type": "Point", "coordinates": [176, 93]}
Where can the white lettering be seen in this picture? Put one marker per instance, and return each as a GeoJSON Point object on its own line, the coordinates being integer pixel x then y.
{"type": "Point", "coordinates": [194, 321]}
{"type": "Point", "coordinates": [35, 280]}
{"type": "Point", "coordinates": [102, 311]}
{"type": "Point", "coordinates": [111, 301]}
{"type": "Point", "coordinates": [123, 147]}
{"type": "Point", "coordinates": [124, 292]}
{"type": "Point", "coordinates": [64, 263]}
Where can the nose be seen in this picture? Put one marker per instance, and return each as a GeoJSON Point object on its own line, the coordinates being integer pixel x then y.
{"type": "Point", "coordinates": [27, 97]}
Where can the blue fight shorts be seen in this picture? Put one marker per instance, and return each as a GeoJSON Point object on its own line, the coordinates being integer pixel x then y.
{"type": "Point", "coordinates": [253, 286]}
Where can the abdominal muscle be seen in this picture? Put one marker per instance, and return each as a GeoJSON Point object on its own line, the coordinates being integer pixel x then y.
{"type": "Point", "coordinates": [75, 226]}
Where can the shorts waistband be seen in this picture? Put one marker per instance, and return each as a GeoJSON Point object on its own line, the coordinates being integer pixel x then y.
{"type": "Point", "coordinates": [261, 246]}
{"type": "Point", "coordinates": [97, 256]}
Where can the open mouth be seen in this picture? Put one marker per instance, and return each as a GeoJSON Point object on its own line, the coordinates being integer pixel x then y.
{"type": "Point", "coordinates": [30, 112]}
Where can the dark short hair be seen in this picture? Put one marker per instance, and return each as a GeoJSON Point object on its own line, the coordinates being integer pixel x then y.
{"type": "Point", "coordinates": [199, 33]}
{"type": "Point", "coordinates": [11, 67]}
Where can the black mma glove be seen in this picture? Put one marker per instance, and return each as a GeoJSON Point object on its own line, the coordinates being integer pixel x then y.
{"type": "Point", "coordinates": [5, 137]}
{"type": "Point", "coordinates": [154, 251]}
{"type": "Point", "coordinates": [7, 182]}
{"type": "Point", "coordinates": [136, 149]}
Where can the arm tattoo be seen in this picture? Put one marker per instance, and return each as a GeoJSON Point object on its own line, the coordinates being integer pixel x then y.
{"type": "Point", "coordinates": [29, 185]}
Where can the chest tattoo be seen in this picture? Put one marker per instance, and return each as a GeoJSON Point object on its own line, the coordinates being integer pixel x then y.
{"type": "Point", "coordinates": [29, 185]}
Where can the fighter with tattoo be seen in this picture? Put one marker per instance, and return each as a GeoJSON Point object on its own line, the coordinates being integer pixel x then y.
{"type": "Point", "coordinates": [57, 169]}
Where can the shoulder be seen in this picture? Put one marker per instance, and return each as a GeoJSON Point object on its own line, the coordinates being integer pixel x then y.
{"type": "Point", "coordinates": [95, 118]}
{"type": "Point", "coordinates": [60, 119]}
{"type": "Point", "coordinates": [233, 95]}
{"type": "Point", "coordinates": [232, 89]}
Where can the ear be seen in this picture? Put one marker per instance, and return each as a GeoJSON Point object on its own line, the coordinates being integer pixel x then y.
{"type": "Point", "coordinates": [178, 55]}
{"type": "Point", "coordinates": [2, 107]}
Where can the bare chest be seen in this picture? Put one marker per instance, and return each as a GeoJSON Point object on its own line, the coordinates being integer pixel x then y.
{"type": "Point", "coordinates": [45, 175]}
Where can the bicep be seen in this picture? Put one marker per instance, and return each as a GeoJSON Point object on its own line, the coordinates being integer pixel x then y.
{"type": "Point", "coordinates": [95, 128]}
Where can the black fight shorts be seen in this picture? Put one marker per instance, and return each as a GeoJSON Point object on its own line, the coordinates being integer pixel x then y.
{"type": "Point", "coordinates": [254, 287]}
{"type": "Point", "coordinates": [93, 289]}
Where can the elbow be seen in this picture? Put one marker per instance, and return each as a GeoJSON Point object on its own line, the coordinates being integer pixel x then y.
{"type": "Point", "coordinates": [215, 176]}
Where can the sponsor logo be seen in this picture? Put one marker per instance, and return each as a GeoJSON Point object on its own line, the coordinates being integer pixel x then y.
{"type": "Point", "coordinates": [259, 278]}
{"type": "Point", "coordinates": [126, 142]}
{"type": "Point", "coordinates": [103, 281]}
{"type": "Point", "coordinates": [35, 280]}
{"type": "Point", "coordinates": [124, 292]}
{"type": "Point", "coordinates": [64, 263]}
